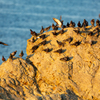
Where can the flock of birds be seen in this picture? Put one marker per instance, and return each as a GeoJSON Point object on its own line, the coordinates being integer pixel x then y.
{"type": "Point", "coordinates": [59, 24]}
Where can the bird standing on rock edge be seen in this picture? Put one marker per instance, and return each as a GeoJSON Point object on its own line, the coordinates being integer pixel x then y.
{"type": "Point", "coordinates": [21, 54]}
{"type": "Point", "coordinates": [3, 59]}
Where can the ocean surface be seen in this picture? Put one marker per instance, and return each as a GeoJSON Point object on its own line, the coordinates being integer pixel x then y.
{"type": "Point", "coordinates": [17, 17]}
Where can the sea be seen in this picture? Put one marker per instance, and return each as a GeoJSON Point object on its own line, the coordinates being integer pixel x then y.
{"type": "Point", "coordinates": [17, 17]}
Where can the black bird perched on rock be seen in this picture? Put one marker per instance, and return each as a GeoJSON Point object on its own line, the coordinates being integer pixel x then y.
{"type": "Point", "coordinates": [58, 51]}
{"type": "Point", "coordinates": [42, 36]}
{"type": "Point", "coordinates": [3, 59]}
{"type": "Point", "coordinates": [33, 33]}
{"type": "Point", "coordinates": [90, 34]}
{"type": "Point", "coordinates": [3, 43]}
{"type": "Point", "coordinates": [55, 33]}
{"type": "Point", "coordinates": [76, 43]}
{"type": "Point", "coordinates": [60, 43]}
{"type": "Point", "coordinates": [47, 50]}
{"type": "Point", "coordinates": [11, 56]}
{"type": "Point", "coordinates": [47, 28]}
{"type": "Point", "coordinates": [32, 40]}
{"type": "Point", "coordinates": [79, 24]}
{"type": "Point", "coordinates": [43, 42]}
{"type": "Point", "coordinates": [61, 31]}
{"type": "Point", "coordinates": [97, 22]}
{"type": "Point", "coordinates": [85, 23]}
{"type": "Point", "coordinates": [34, 48]}
{"type": "Point", "coordinates": [21, 54]}
{"type": "Point", "coordinates": [69, 39]}
{"type": "Point", "coordinates": [72, 24]}
{"type": "Point", "coordinates": [54, 27]}
{"type": "Point", "coordinates": [65, 59]}
{"type": "Point", "coordinates": [67, 24]}
{"type": "Point", "coordinates": [92, 22]}
{"type": "Point", "coordinates": [42, 30]}
{"type": "Point", "coordinates": [13, 53]}
{"type": "Point", "coordinates": [77, 31]}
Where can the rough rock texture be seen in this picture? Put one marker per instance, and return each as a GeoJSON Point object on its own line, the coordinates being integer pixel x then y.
{"type": "Point", "coordinates": [80, 74]}
{"type": "Point", "coordinates": [43, 76]}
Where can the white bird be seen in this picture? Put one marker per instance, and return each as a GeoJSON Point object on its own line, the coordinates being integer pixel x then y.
{"type": "Point", "coordinates": [59, 23]}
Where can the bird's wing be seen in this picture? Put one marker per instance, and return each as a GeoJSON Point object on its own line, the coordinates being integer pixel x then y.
{"type": "Point", "coordinates": [57, 21]}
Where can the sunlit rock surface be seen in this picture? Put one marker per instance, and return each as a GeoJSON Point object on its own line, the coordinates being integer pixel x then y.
{"type": "Point", "coordinates": [44, 76]}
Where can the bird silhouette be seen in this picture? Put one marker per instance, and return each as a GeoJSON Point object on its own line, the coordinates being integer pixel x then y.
{"type": "Point", "coordinates": [42, 30]}
{"type": "Point", "coordinates": [42, 36]}
{"type": "Point", "coordinates": [13, 53]}
{"type": "Point", "coordinates": [79, 24]}
{"type": "Point", "coordinates": [47, 28]}
{"type": "Point", "coordinates": [34, 48]}
{"type": "Point", "coordinates": [33, 33]}
{"type": "Point", "coordinates": [47, 50]}
{"type": "Point", "coordinates": [3, 43]}
{"type": "Point", "coordinates": [60, 43]}
{"type": "Point", "coordinates": [21, 54]}
{"type": "Point", "coordinates": [69, 39]}
{"type": "Point", "coordinates": [3, 59]}
{"type": "Point", "coordinates": [76, 43]}
{"type": "Point", "coordinates": [43, 42]}
{"type": "Point", "coordinates": [58, 51]}
{"type": "Point", "coordinates": [65, 59]}
{"type": "Point", "coordinates": [92, 22]}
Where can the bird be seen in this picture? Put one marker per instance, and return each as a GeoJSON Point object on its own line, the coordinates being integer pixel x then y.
{"type": "Point", "coordinates": [13, 53]}
{"type": "Point", "coordinates": [55, 33]}
{"type": "Point", "coordinates": [59, 23]}
{"type": "Point", "coordinates": [79, 24]}
{"type": "Point", "coordinates": [91, 42]}
{"type": "Point", "coordinates": [61, 31]}
{"type": "Point", "coordinates": [33, 33]}
{"type": "Point", "coordinates": [11, 56]}
{"type": "Point", "coordinates": [85, 23]}
{"type": "Point", "coordinates": [76, 43]}
{"type": "Point", "coordinates": [34, 48]}
{"type": "Point", "coordinates": [3, 59]}
{"type": "Point", "coordinates": [77, 31]}
{"type": "Point", "coordinates": [69, 39]}
{"type": "Point", "coordinates": [43, 42]}
{"type": "Point", "coordinates": [58, 51]}
{"type": "Point", "coordinates": [92, 22]}
{"type": "Point", "coordinates": [42, 30]}
{"type": "Point", "coordinates": [47, 28]}
{"type": "Point", "coordinates": [42, 36]}
{"type": "Point", "coordinates": [90, 34]}
{"type": "Point", "coordinates": [65, 59]}
{"type": "Point", "coordinates": [67, 24]}
{"type": "Point", "coordinates": [72, 24]}
{"type": "Point", "coordinates": [32, 40]}
{"type": "Point", "coordinates": [97, 22]}
{"type": "Point", "coordinates": [3, 43]}
{"type": "Point", "coordinates": [47, 50]}
{"type": "Point", "coordinates": [54, 27]}
{"type": "Point", "coordinates": [60, 43]}
{"type": "Point", "coordinates": [21, 54]}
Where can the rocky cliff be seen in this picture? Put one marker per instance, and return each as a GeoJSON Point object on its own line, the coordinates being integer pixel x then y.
{"type": "Point", "coordinates": [60, 65]}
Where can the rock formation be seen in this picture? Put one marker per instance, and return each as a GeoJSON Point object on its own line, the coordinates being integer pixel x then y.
{"type": "Point", "coordinates": [70, 73]}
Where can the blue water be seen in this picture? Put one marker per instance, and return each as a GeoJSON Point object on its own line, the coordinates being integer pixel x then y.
{"type": "Point", "coordinates": [17, 17]}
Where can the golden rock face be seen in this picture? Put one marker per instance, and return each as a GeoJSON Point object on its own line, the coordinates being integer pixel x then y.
{"type": "Point", "coordinates": [78, 73]}
{"type": "Point", "coordinates": [62, 65]}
